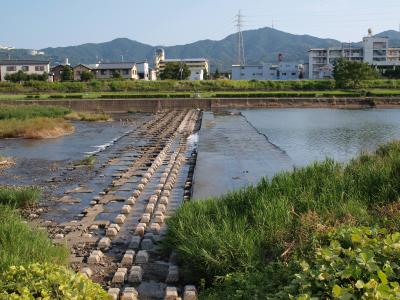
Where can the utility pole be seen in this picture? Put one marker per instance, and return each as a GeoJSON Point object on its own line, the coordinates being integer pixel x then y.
{"type": "Point", "coordinates": [240, 43]}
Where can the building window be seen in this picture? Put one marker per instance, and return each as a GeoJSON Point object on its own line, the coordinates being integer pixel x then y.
{"type": "Point", "coordinates": [11, 68]}
{"type": "Point", "coordinates": [103, 72]}
{"type": "Point", "coordinates": [126, 72]}
{"type": "Point", "coordinates": [283, 74]}
{"type": "Point", "coordinates": [25, 68]}
{"type": "Point", "coordinates": [293, 74]}
{"type": "Point", "coordinates": [39, 68]}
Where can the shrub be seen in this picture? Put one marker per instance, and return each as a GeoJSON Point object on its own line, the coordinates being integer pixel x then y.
{"type": "Point", "coordinates": [19, 197]}
{"type": "Point", "coordinates": [22, 245]}
{"type": "Point", "coordinates": [355, 263]}
{"type": "Point", "coordinates": [22, 112]}
{"type": "Point", "coordinates": [47, 281]}
{"type": "Point", "coordinates": [56, 96]}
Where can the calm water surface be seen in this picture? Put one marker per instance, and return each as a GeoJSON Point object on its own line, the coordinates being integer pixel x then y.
{"type": "Point", "coordinates": [307, 135]}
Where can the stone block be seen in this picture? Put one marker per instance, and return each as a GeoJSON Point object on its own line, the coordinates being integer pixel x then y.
{"type": "Point", "coordinates": [144, 181]}
{"type": "Point", "coordinates": [120, 219]}
{"type": "Point", "coordinates": [155, 228]}
{"type": "Point", "coordinates": [120, 276]}
{"type": "Point", "coordinates": [136, 274]}
{"type": "Point", "coordinates": [158, 192]}
{"type": "Point", "coordinates": [87, 272]}
{"type": "Point", "coordinates": [111, 232]}
{"type": "Point", "coordinates": [104, 243]}
{"type": "Point", "coordinates": [173, 274]}
{"type": "Point", "coordinates": [159, 219]}
{"type": "Point", "coordinates": [147, 244]}
{"type": "Point", "coordinates": [136, 194]}
{"type": "Point", "coordinates": [140, 187]}
{"type": "Point", "coordinates": [59, 236]}
{"type": "Point", "coordinates": [95, 257]}
{"type": "Point", "coordinates": [164, 200]}
{"type": "Point", "coordinates": [135, 242]}
{"type": "Point", "coordinates": [130, 293]}
{"type": "Point", "coordinates": [145, 218]}
{"type": "Point", "coordinates": [149, 208]}
{"type": "Point", "coordinates": [126, 209]}
{"type": "Point", "coordinates": [171, 293]}
{"type": "Point", "coordinates": [142, 257]}
{"type": "Point", "coordinates": [162, 208]}
{"type": "Point", "coordinates": [114, 293]}
{"type": "Point", "coordinates": [190, 293]}
{"type": "Point", "coordinates": [94, 227]}
{"type": "Point", "coordinates": [166, 193]}
{"type": "Point", "coordinates": [128, 258]}
{"type": "Point", "coordinates": [131, 201]}
{"type": "Point", "coordinates": [153, 199]}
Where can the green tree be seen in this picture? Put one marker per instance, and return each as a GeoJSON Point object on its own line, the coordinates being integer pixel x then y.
{"type": "Point", "coordinates": [205, 75]}
{"type": "Point", "coordinates": [87, 76]}
{"type": "Point", "coordinates": [21, 76]}
{"type": "Point", "coordinates": [217, 74]}
{"type": "Point", "coordinates": [67, 74]}
{"type": "Point", "coordinates": [350, 74]}
{"type": "Point", "coordinates": [175, 70]}
{"type": "Point", "coordinates": [116, 75]}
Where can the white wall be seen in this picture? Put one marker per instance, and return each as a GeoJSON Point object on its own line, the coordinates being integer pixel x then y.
{"type": "Point", "coordinates": [31, 70]}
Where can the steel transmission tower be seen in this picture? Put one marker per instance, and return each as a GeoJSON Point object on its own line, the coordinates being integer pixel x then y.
{"type": "Point", "coordinates": [240, 44]}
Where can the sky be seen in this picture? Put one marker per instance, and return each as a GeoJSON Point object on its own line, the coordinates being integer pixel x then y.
{"type": "Point", "coordinates": [43, 23]}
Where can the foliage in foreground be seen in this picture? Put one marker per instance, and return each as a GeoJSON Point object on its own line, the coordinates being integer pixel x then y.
{"type": "Point", "coordinates": [350, 74]}
{"type": "Point", "coordinates": [249, 230]}
{"type": "Point", "coordinates": [18, 197]}
{"type": "Point", "coordinates": [356, 263]}
{"type": "Point", "coordinates": [22, 245]}
{"type": "Point", "coordinates": [47, 282]}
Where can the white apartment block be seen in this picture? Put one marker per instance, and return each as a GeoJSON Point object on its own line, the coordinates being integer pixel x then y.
{"type": "Point", "coordinates": [197, 66]}
{"type": "Point", "coordinates": [270, 71]}
{"type": "Point", "coordinates": [29, 67]}
{"type": "Point", "coordinates": [374, 51]}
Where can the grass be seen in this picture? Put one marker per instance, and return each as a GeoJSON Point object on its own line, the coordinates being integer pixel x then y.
{"type": "Point", "coordinates": [22, 245]}
{"type": "Point", "coordinates": [90, 117]}
{"type": "Point", "coordinates": [87, 161]}
{"type": "Point", "coordinates": [19, 197]}
{"type": "Point", "coordinates": [24, 112]}
{"type": "Point", "coordinates": [36, 128]}
{"type": "Point", "coordinates": [251, 230]}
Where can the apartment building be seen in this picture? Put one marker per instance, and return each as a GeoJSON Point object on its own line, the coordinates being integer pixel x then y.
{"type": "Point", "coordinates": [373, 50]}
{"type": "Point", "coordinates": [197, 66]}
{"type": "Point", "coordinates": [126, 70]}
{"type": "Point", "coordinates": [30, 67]}
{"type": "Point", "coordinates": [270, 71]}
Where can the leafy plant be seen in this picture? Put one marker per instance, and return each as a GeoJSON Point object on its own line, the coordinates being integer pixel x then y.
{"type": "Point", "coordinates": [18, 196]}
{"type": "Point", "coordinates": [47, 282]}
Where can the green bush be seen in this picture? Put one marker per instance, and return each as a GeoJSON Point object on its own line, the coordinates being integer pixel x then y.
{"type": "Point", "coordinates": [247, 229]}
{"type": "Point", "coordinates": [47, 282]}
{"type": "Point", "coordinates": [355, 263]}
{"type": "Point", "coordinates": [22, 245]}
{"type": "Point", "coordinates": [56, 96]}
{"type": "Point", "coordinates": [18, 197]}
{"type": "Point", "coordinates": [22, 112]}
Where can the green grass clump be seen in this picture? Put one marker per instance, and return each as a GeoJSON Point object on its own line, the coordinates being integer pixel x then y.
{"type": "Point", "coordinates": [19, 197]}
{"type": "Point", "coordinates": [23, 112]}
{"type": "Point", "coordinates": [21, 245]}
{"type": "Point", "coordinates": [48, 281]}
{"type": "Point", "coordinates": [89, 160]}
{"type": "Point", "coordinates": [248, 230]}
{"type": "Point", "coordinates": [89, 117]}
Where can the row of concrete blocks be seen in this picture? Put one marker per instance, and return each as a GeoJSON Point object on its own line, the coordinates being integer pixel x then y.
{"type": "Point", "coordinates": [171, 293]}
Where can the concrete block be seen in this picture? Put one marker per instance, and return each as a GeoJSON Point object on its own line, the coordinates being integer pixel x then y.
{"type": "Point", "coordinates": [153, 199]}
{"type": "Point", "coordinates": [128, 258]}
{"type": "Point", "coordinates": [171, 293]}
{"type": "Point", "coordinates": [147, 244]}
{"type": "Point", "coordinates": [164, 200]}
{"type": "Point", "coordinates": [162, 208]}
{"type": "Point", "coordinates": [144, 181]}
{"type": "Point", "coordinates": [94, 227]}
{"type": "Point", "coordinates": [59, 236]}
{"type": "Point", "coordinates": [136, 194]}
{"type": "Point", "coordinates": [155, 228]}
{"type": "Point", "coordinates": [158, 192]}
{"type": "Point", "coordinates": [190, 293]}
{"type": "Point", "coordinates": [120, 276]}
{"type": "Point", "coordinates": [120, 219]}
{"type": "Point", "coordinates": [114, 293]}
{"type": "Point", "coordinates": [87, 235]}
{"type": "Point", "coordinates": [149, 208]}
{"type": "Point", "coordinates": [104, 243]}
{"type": "Point", "coordinates": [159, 219]}
{"type": "Point", "coordinates": [142, 257]}
{"type": "Point", "coordinates": [87, 272]}
{"type": "Point", "coordinates": [131, 201]}
{"type": "Point", "coordinates": [145, 218]}
{"type": "Point", "coordinates": [112, 232]}
{"type": "Point", "coordinates": [173, 274]}
{"type": "Point", "coordinates": [163, 180]}
{"type": "Point", "coordinates": [140, 187]}
{"type": "Point", "coordinates": [95, 257]}
{"type": "Point", "coordinates": [126, 209]}
{"type": "Point", "coordinates": [166, 193]}
{"type": "Point", "coordinates": [130, 293]}
{"type": "Point", "coordinates": [135, 242]}
{"type": "Point", "coordinates": [136, 274]}
{"type": "Point", "coordinates": [147, 175]}
{"type": "Point", "coordinates": [116, 226]}
{"type": "Point", "coordinates": [139, 231]}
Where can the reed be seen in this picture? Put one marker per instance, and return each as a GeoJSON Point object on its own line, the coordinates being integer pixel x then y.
{"type": "Point", "coordinates": [19, 197]}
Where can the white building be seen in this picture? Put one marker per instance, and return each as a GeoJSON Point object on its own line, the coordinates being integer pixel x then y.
{"type": "Point", "coordinates": [143, 70]}
{"type": "Point", "coordinates": [374, 51]}
{"type": "Point", "coordinates": [30, 67]}
{"type": "Point", "coordinates": [197, 66]}
{"type": "Point", "coordinates": [270, 71]}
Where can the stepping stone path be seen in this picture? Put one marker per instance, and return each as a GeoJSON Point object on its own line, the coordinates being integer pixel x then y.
{"type": "Point", "coordinates": [145, 182]}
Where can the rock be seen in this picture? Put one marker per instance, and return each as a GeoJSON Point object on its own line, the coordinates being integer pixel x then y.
{"type": "Point", "coordinates": [164, 200]}
{"type": "Point", "coordinates": [128, 258]}
{"type": "Point", "coordinates": [173, 274]}
{"type": "Point", "coordinates": [135, 275]}
{"type": "Point", "coordinates": [87, 235]}
{"type": "Point", "coordinates": [126, 209]}
{"type": "Point", "coordinates": [113, 293]}
{"type": "Point", "coordinates": [104, 243]}
{"type": "Point", "coordinates": [159, 219]}
{"type": "Point", "coordinates": [129, 293]}
{"type": "Point", "coordinates": [190, 293]}
{"type": "Point", "coordinates": [162, 208]}
{"type": "Point", "coordinates": [142, 257]}
{"type": "Point", "coordinates": [140, 187]}
{"type": "Point", "coordinates": [155, 228]}
{"type": "Point", "coordinates": [120, 276]}
{"type": "Point", "coordinates": [145, 218]}
{"type": "Point", "coordinates": [171, 293]}
{"type": "Point", "coordinates": [131, 201]}
{"type": "Point", "coordinates": [111, 232]}
{"type": "Point", "coordinates": [149, 208]}
{"type": "Point", "coordinates": [136, 194]}
{"type": "Point", "coordinates": [120, 219]}
{"type": "Point", "coordinates": [135, 242]}
{"type": "Point", "coordinates": [147, 244]}
{"type": "Point", "coordinates": [95, 257]}
{"type": "Point", "coordinates": [59, 236]}
{"type": "Point", "coordinates": [87, 272]}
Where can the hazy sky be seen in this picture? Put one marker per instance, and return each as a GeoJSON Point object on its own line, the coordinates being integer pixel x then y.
{"type": "Point", "coordinates": [43, 23]}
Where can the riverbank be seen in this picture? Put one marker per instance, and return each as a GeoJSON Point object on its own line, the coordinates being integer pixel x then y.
{"type": "Point", "coordinates": [154, 105]}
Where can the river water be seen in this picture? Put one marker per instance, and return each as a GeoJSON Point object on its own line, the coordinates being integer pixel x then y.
{"type": "Point", "coordinates": [239, 149]}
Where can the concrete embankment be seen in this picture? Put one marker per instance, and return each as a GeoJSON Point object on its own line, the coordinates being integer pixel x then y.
{"type": "Point", "coordinates": [153, 105]}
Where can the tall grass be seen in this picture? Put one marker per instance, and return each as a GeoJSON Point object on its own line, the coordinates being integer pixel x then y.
{"type": "Point", "coordinates": [19, 197]}
{"type": "Point", "coordinates": [245, 230]}
{"type": "Point", "coordinates": [36, 128]}
{"type": "Point", "coordinates": [21, 245]}
{"type": "Point", "coordinates": [31, 111]}
{"type": "Point", "coordinates": [89, 117]}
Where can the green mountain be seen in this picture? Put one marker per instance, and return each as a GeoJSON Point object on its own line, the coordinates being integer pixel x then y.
{"type": "Point", "coordinates": [261, 45]}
